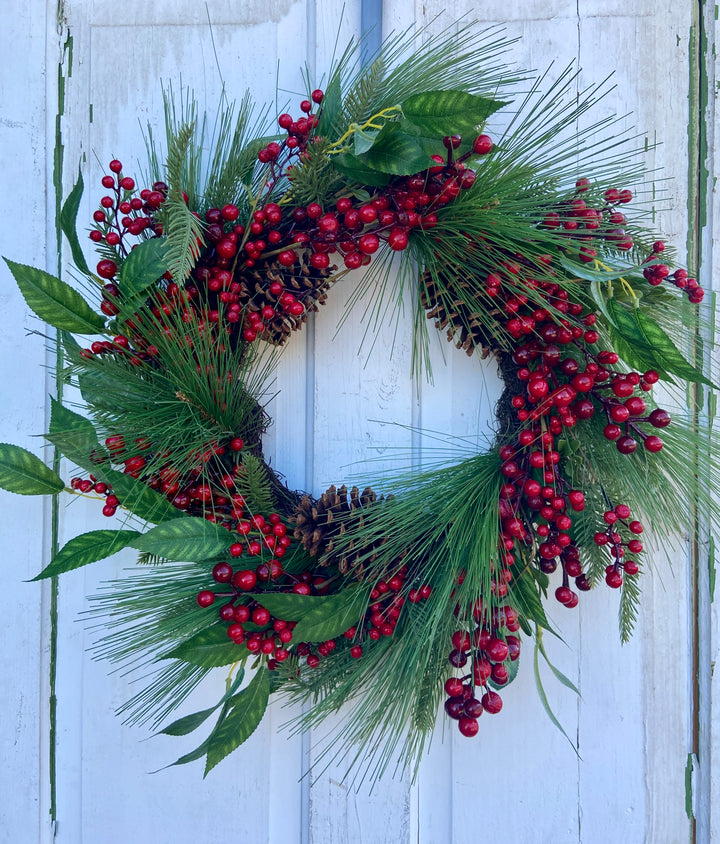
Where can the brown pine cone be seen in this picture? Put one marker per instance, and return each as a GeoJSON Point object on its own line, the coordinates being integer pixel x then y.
{"type": "Point", "coordinates": [465, 327]}
{"type": "Point", "coordinates": [319, 522]}
{"type": "Point", "coordinates": [307, 284]}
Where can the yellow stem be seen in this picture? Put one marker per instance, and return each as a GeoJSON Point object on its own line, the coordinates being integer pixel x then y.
{"type": "Point", "coordinates": [625, 283]}
{"type": "Point", "coordinates": [385, 114]}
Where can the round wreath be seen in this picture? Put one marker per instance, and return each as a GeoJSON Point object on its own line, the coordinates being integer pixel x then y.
{"type": "Point", "coordinates": [521, 250]}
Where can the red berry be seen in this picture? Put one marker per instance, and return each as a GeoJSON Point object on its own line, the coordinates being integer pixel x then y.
{"type": "Point", "coordinates": [482, 145]}
{"type": "Point", "coordinates": [397, 240]}
{"type": "Point", "coordinates": [245, 580]}
{"type": "Point", "coordinates": [626, 444]}
{"type": "Point", "coordinates": [205, 598]}
{"type": "Point", "coordinates": [106, 268]}
{"type": "Point", "coordinates": [453, 687]}
{"type": "Point", "coordinates": [492, 702]}
{"type": "Point", "coordinates": [468, 726]}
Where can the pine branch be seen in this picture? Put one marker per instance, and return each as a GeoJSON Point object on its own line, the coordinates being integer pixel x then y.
{"type": "Point", "coordinates": [254, 485]}
{"type": "Point", "coordinates": [185, 238]}
{"type": "Point", "coordinates": [629, 606]}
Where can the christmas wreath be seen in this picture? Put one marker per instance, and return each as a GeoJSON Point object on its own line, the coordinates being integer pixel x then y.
{"type": "Point", "coordinates": [515, 242]}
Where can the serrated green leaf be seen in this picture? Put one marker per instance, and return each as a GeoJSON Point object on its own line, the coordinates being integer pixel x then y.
{"type": "Point", "coordinates": [101, 388]}
{"type": "Point", "coordinates": [634, 356]}
{"type": "Point", "coordinates": [87, 548]}
{"type": "Point", "coordinates": [670, 357]}
{"type": "Point", "coordinates": [54, 301]}
{"type": "Point", "coordinates": [184, 540]}
{"type": "Point", "coordinates": [395, 153]}
{"type": "Point", "coordinates": [138, 498]}
{"type": "Point", "coordinates": [288, 606]}
{"type": "Point", "coordinates": [24, 473]}
{"type": "Point", "coordinates": [246, 712]}
{"type": "Point", "coordinates": [331, 615]}
{"type": "Point", "coordinates": [649, 342]}
{"type": "Point", "coordinates": [208, 648]}
{"type": "Point", "coordinates": [68, 224]}
{"type": "Point", "coordinates": [74, 436]}
{"type": "Point", "coordinates": [143, 267]}
{"type": "Point", "coordinates": [449, 112]}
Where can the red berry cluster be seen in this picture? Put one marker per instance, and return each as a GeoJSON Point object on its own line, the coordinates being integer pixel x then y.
{"type": "Point", "coordinates": [565, 382]}
{"type": "Point", "coordinates": [238, 608]}
{"type": "Point", "coordinates": [657, 273]}
{"type": "Point", "coordinates": [93, 485]}
{"type": "Point", "coordinates": [492, 646]}
{"type": "Point", "coordinates": [615, 520]}
{"type": "Point", "coordinates": [122, 214]}
{"type": "Point", "coordinates": [581, 221]}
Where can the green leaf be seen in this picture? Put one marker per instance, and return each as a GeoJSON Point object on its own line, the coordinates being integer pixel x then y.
{"type": "Point", "coordinates": [512, 670]}
{"type": "Point", "coordinates": [87, 548]}
{"type": "Point", "coordinates": [449, 112]}
{"type": "Point", "coordinates": [71, 347]}
{"type": "Point", "coordinates": [246, 712]}
{"type": "Point", "coordinates": [143, 267]}
{"type": "Point", "coordinates": [354, 168]}
{"type": "Point", "coordinates": [288, 606]}
{"type": "Point", "coordinates": [527, 600]}
{"type": "Point", "coordinates": [68, 224]}
{"type": "Point", "coordinates": [184, 540]}
{"type": "Point", "coordinates": [600, 298]}
{"type": "Point", "coordinates": [138, 498]}
{"type": "Point", "coordinates": [362, 141]}
{"type": "Point", "coordinates": [101, 387]}
{"type": "Point", "coordinates": [74, 436]}
{"type": "Point", "coordinates": [395, 152]}
{"type": "Point", "coordinates": [634, 356]}
{"type": "Point", "coordinates": [613, 273]}
{"type": "Point", "coordinates": [54, 301]}
{"type": "Point", "coordinates": [543, 696]}
{"type": "Point", "coordinates": [670, 357]}
{"type": "Point", "coordinates": [186, 725]}
{"type": "Point", "coordinates": [193, 756]}
{"type": "Point", "coordinates": [208, 648]}
{"type": "Point", "coordinates": [651, 344]}
{"type": "Point", "coordinates": [330, 108]}
{"type": "Point", "coordinates": [24, 473]}
{"type": "Point", "coordinates": [566, 681]}
{"type": "Point", "coordinates": [331, 615]}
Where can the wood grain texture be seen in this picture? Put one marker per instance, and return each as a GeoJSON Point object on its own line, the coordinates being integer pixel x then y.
{"type": "Point", "coordinates": [24, 692]}
{"type": "Point", "coordinates": [334, 412]}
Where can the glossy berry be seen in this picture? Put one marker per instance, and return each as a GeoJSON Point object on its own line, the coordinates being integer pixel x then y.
{"type": "Point", "coordinates": [468, 726]}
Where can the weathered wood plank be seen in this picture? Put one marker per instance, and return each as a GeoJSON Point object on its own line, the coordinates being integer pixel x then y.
{"type": "Point", "coordinates": [24, 204]}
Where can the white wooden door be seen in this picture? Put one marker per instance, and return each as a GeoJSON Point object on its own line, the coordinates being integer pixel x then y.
{"type": "Point", "coordinates": [520, 779]}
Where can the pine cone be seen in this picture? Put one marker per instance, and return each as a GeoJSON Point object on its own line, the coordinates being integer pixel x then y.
{"type": "Point", "coordinates": [319, 522]}
{"type": "Point", "coordinates": [307, 284]}
{"type": "Point", "coordinates": [466, 328]}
